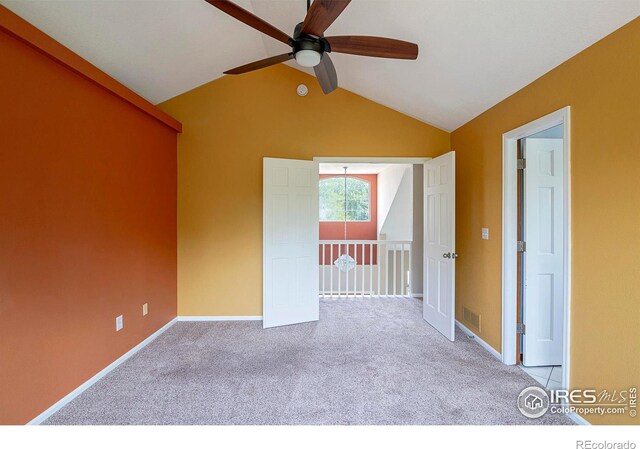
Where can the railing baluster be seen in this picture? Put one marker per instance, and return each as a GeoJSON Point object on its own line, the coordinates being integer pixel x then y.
{"type": "Point", "coordinates": [410, 275]}
{"type": "Point", "coordinates": [348, 272]}
{"type": "Point", "coordinates": [321, 265]}
{"type": "Point", "coordinates": [395, 272]}
{"type": "Point", "coordinates": [362, 265]}
{"type": "Point", "coordinates": [331, 269]}
{"type": "Point", "coordinates": [386, 270]}
{"type": "Point", "coordinates": [354, 271]}
{"type": "Point", "coordinates": [402, 283]}
{"type": "Point", "coordinates": [355, 277]}
{"type": "Point", "coordinates": [370, 269]}
{"type": "Point", "coordinates": [339, 274]}
{"type": "Point", "coordinates": [346, 288]}
{"type": "Point", "coordinates": [379, 261]}
{"type": "Point", "coordinates": [324, 283]}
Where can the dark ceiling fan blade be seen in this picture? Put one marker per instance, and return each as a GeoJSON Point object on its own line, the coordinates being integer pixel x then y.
{"type": "Point", "coordinates": [248, 18]}
{"type": "Point", "coordinates": [259, 64]}
{"type": "Point", "coordinates": [322, 14]}
{"type": "Point", "coordinates": [381, 47]}
{"type": "Point", "coordinates": [326, 74]}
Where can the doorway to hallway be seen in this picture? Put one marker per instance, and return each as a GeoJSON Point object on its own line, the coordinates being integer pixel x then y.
{"type": "Point", "coordinates": [367, 229]}
{"type": "Point", "coordinates": [292, 203]}
{"type": "Point", "coordinates": [536, 248]}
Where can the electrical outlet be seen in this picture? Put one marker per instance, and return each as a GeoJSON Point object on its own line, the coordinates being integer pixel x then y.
{"type": "Point", "coordinates": [485, 233]}
{"type": "Point", "coordinates": [145, 309]}
{"type": "Point", "coordinates": [119, 323]}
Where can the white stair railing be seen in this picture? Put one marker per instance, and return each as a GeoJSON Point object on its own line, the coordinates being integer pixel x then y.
{"type": "Point", "coordinates": [382, 268]}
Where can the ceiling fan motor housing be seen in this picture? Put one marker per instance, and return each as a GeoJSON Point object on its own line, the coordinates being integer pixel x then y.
{"type": "Point", "coordinates": [303, 41]}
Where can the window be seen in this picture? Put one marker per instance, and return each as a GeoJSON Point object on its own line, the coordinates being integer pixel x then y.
{"type": "Point", "coordinates": [332, 199]}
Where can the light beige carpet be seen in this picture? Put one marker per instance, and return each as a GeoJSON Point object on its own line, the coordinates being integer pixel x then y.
{"type": "Point", "coordinates": [367, 361]}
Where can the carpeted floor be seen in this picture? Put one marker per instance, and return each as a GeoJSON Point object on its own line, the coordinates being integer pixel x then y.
{"type": "Point", "coordinates": [367, 361]}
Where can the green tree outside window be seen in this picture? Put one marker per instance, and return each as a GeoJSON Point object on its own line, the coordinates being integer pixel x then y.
{"type": "Point", "coordinates": [332, 199]}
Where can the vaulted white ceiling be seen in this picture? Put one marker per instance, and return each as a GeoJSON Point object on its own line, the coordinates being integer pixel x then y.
{"type": "Point", "coordinates": [473, 53]}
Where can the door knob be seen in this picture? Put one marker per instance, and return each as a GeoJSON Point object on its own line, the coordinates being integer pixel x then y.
{"type": "Point", "coordinates": [446, 255]}
{"type": "Point", "coordinates": [454, 255]}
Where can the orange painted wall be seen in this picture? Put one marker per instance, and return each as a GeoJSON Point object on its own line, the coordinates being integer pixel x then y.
{"type": "Point", "coordinates": [602, 86]}
{"type": "Point", "coordinates": [230, 125]}
{"type": "Point", "coordinates": [87, 225]}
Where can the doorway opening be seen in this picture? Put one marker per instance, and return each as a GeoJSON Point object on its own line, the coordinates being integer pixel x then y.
{"type": "Point", "coordinates": [298, 264]}
{"type": "Point", "coordinates": [536, 239]}
{"type": "Point", "coordinates": [370, 215]}
{"type": "Point", "coordinates": [540, 270]}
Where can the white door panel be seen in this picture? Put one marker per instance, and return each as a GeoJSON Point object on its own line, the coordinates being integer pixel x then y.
{"type": "Point", "coordinates": [439, 244]}
{"type": "Point", "coordinates": [543, 305]}
{"type": "Point", "coordinates": [290, 242]}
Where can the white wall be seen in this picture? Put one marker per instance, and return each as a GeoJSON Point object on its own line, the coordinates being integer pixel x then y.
{"type": "Point", "coordinates": [395, 202]}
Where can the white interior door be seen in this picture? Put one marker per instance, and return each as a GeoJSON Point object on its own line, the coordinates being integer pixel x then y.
{"type": "Point", "coordinates": [543, 302]}
{"type": "Point", "coordinates": [290, 242]}
{"type": "Point", "coordinates": [438, 307]}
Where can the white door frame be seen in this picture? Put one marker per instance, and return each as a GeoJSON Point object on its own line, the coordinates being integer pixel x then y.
{"type": "Point", "coordinates": [510, 233]}
{"type": "Point", "coordinates": [371, 160]}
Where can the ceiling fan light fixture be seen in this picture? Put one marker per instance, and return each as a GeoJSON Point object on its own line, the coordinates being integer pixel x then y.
{"type": "Point", "coordinates": [308, 58]}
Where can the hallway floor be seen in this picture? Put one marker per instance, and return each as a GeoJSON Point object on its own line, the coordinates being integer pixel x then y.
{"type": "Point", "coordinates": [367, 361]}
{"type": "Point", "coordinates": [549, 377]}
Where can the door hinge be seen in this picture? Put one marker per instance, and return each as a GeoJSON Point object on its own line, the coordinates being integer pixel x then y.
{"type": "Point", "coordinates": [522, 246]}
{"type": "Point", "coordinates": [522, 164]}
{"type": "Point", "coordinates": [520, 328]}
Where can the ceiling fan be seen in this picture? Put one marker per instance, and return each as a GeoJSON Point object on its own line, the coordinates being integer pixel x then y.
{"type": "Point", "coordinates": [308, 45]}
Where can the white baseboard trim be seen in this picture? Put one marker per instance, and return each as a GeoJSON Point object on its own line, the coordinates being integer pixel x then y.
{"type": "Point", "coordinates": [479, 340]}
{"type": "Point", "coordinates": [75, 393]}
{"type": "Point", "coordinates": [572, 416]}
{"type": "Point", "coordinates": [221, 318]}
{"type": "Point", "coordinates": [578, 419]}
{"type": "Point", "coordinates": [417, 295]}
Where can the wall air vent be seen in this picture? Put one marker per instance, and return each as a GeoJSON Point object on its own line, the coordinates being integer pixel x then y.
{"type": "Point", "coordinates": [471, 319]}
